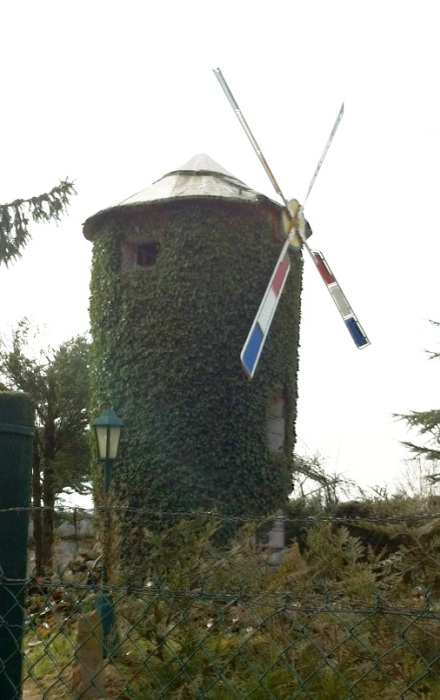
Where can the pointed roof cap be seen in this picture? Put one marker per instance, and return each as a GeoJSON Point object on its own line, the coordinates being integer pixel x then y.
{"type": "Point", "coordinates": [199, 178]}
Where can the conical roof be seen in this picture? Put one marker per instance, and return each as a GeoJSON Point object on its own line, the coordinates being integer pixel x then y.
{"type": "Point", "coordinates": [199, 178]}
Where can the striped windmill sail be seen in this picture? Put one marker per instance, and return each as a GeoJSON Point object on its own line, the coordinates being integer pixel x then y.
{"type": "Point", "coordinates": [348, 316]}
{"type": "Point", "coordinates": [257, 335]}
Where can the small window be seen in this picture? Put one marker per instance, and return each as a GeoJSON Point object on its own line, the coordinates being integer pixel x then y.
{"type": "Point", "coordinates": [276, 419]}
{"type": "Point", "coordinates": [146, 254]}
{"type": "Point", "coordinates": [138, 254]}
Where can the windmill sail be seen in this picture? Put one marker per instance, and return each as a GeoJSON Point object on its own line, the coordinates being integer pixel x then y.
{"type": "Point", "coordinates": [258, 333]}
{"type": "Point", "coordinates": [248, 132]}
{"type": "Point", "coordinates": [327, 146]}
{"type": "Point", "coordinates": [348, 316]}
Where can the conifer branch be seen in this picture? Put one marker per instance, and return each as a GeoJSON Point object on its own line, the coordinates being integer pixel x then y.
{"type": "Point", "coordinates": [15, 217]}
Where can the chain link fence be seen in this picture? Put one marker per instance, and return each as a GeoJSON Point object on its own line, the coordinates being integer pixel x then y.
{"type": "Point", "coordinates": [330, 620]}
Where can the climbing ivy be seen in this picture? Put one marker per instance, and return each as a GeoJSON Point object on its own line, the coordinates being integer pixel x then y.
{"type": "Point", "coordinates": [166, 347]}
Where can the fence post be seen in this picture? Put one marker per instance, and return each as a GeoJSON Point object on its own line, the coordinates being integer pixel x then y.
{"type": "Point", "coordinates": [16, 431]}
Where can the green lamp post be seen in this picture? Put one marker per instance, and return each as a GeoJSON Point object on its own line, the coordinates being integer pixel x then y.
{"type": "Point", "coordinates": [107, 428]}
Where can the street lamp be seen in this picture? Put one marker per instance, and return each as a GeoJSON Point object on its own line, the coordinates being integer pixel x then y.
{"type": "Point", "coordinates": [107, 428]}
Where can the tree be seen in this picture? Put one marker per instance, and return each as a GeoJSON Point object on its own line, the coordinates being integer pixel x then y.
{"type": "Point", "coordinates": [15, 216]}
{"type": "Point", "coordinates": [312, 481]}
{"type": "Point", "coordinates": [57, 382]}
{"type": "Point", "coordinates": [427, 424]}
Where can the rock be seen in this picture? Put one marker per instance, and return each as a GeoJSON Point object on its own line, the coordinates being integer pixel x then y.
{"type": "Point", "coordinates": [87, 670]}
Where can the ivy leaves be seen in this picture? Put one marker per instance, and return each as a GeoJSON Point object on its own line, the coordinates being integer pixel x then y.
{"type": "Point", "coordinates": [169, 338]}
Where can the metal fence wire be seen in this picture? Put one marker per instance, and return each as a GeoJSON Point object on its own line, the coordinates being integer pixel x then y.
{"type": "Point", "coordinates": [331, 622]}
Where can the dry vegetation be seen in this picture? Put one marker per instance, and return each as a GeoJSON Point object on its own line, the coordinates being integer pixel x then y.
{"type": "Point", "coordinates": [340, 617]}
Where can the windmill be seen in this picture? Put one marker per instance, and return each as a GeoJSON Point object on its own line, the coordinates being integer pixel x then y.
{"type": "Point", "coordinates": [296, 236]}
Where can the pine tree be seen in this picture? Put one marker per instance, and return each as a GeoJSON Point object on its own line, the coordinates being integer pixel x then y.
{"type": "Point", "coordinates": [426, 423]}
{"type": "Point", "coordinates": [15, 218]}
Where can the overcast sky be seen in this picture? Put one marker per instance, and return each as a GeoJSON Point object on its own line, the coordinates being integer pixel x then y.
{"type": "Point", "coordinates": [114, 95]}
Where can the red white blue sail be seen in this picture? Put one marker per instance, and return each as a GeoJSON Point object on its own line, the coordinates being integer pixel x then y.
{"type": "Point", "coordinates": [354, 327]}
{"type": "Point", "coordinates": [256, 338]}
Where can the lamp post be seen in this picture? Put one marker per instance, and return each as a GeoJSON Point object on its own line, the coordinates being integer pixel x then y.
{"type": "Point", "coordinates": [107, 428]}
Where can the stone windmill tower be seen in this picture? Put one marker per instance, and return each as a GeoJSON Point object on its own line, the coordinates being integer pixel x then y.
{"type": "Point", "coordinates": [178, 272]}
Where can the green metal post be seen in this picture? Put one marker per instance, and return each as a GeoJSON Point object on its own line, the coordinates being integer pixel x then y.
{"type": "Point", "coordinates": [107, 430]}
{"type": "Point", "coordinates": [16, 432]}
{"type": "Point", "coordinates": [107, 480]}
{"type": "Point", "coordinates": [104, 602]}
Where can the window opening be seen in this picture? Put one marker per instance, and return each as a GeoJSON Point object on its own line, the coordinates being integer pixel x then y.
{"type": "Point", "coordinates": [146, 254]}
{"type": "Point", "coordinates": [276, 419]}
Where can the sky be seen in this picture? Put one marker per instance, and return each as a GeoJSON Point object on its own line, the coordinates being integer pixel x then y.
{"type": "Point", "coordinates": [114, 95]}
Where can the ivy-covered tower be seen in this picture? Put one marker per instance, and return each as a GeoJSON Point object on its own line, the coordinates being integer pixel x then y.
{"type": "Point", "coordinates": [178, 273]}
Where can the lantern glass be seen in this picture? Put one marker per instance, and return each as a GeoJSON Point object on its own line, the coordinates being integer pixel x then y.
{"type": "Point", "coordinates": [108, 431]}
